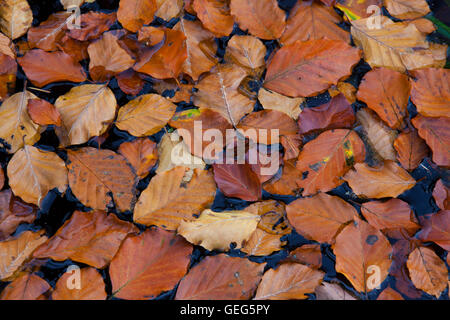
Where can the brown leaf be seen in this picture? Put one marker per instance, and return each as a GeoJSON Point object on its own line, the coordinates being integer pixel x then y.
{"type": "Point", "coordinates": [169, 199]}
{"type": "Point", "coordinates": [215, 16]}
{"type": "Point", "coordinates": [47, 34]}
{"type": "Point", "coordinates": [33, 172]}
{"type": "Point", "coordinates": [320, 217]}
{"type": "Point", "coordinates": [390, 294]}
{"type": "Point", "coordinates": [286, 182]}
{"type": "Point", "coordinates": [309, 20]}
{"type": "Point", "coordinates": [43, 113]}
{"type": "Point", "coordinates": [437, 136]}
{"type": "Point", "coordinates": [441, 195]}
{"type": "Point", "coordinates": [130, 82]}
{"type": "Point", "coordinates": [304, 69]}
{"type": "Point", "coordinates": [141, 154]}
{"type": "Point", "coordinates": [262, 243]}
{"type": "Point", "coordinates": [92, 286]}
{"type": "Point", "coordinates": [431, 92]}
{"type": "Point", "coordinates": [27, 287]}
{"type": "Point", "coordinates": [332, 291]}
{"type": "Point", "coordinates": [97, 177]}
{"type": "Point", "coordinates": [222, 278]}
{"type": "Point", "coordinates": [8, 71]}
{"type": "Point", "coordinates": [326, 159]}
{"type": "Point", "coordinates": [288, 281]}
{"type": "Point", "coordinates": [2, 178]}
{"type": "Point", "coordinates": [437, 229]}
{"type": "Point", "coordinates": [13, 212]}
{"type": "Point", "coordinates": [411, 149]}
{"type": "Point", "coordinates": [275, 101]}
{"type": "Point", "coordinates": [74, 48]}
{"type": "Point", "coordinates": [148, 264]}
{"type": "Point", "coordinates": [335, 114]}
{"type": "Point", "coordinates": [7, 46]}
{"type": "Point", "coordinates": [388, 180]}
{"type": "Point", "coordinates": [43, 67]}
{"type": "Point", "coordinates": [386, 92]}
{"type": "Point", "coordinates": [16, 251]}
{"type": "Point", "coordinates": [273, 217]}
{"type": "Point", "coordinates": [407, 9]}
{"type": "Point", "coordinates": [360, 250]}
{"type": "Point", "coordinates": [150, 35]}
{"type": "Point", "coordinates": [263, 19]}
{"type": "Point", "coordinates": [218, 230]}
{"type": "Point", "coordinates": [92, 24]}
{"type": "Point", "coordinates": [238, 180]}
{"type": "Point", "coordinates": [291, 144]}
{"type": "Point", "coordinates": [15, 18]}
{"type": "Point", "coordinates": [427, 271]}
{"type": "Point", "coordinates": [91, 237]}
{"type": "Point", "coordinates": [133, 14]}
{"type": "Point", "coordinates": [107, 58]}
{"type": "Point", "coordinates": [168, 9]}
{"type": "Point", "coordinates": [246, 51]}
{"type": "Point", "coordinates": [307, 254]}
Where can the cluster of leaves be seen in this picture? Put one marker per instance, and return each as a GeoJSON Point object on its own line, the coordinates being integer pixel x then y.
{"type": "Point", "coordinates": [367, 136]}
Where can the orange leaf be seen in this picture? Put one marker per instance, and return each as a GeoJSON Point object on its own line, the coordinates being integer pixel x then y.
{"type": "Point", "coordinates": [92, 286]}
{"type": "Point", "coordinates": [285, 183]}
{"type": "Point", "coordinates": [2, 178]}
{"type": "Point", "coordinates": [133, 14]}
{"type": "Point", "coordinates": [43, 112]}
{"type": "Point", "coordinates": [13, 212]}
{"type": "Point", "coordinates": [141, 154]}
{"type": "Point", "coordinates": [26, 287]}
{"type": "Point", "coordinates": [238, 180]}
{"type": "Point", "coordinates": [48, 33]}
{"type": "Point", "coordinates": [93, 24]}
{"type": "Point", "coordinates": [307, 254]}
{"type": "Point", "coordinates": [91, 237]}
{"type": "Point", "coordinates": [437, 229]}
{"type": "Point", "coordinates": [149, 264]}
{"type": "Point", "coordinates": [273, 217]}
{"type": "Point", "coordinates": [221, 278]}
{"type": "Point", "coordinates": [262, 243]}
{"type": "Point", "coordinates": [304, 69]}
{"type": "Point", "coordinates": [390, 294]}
{"type": "Point", "coordinates": [263, 19]}
{"type": "Point", "coordinates": [320, 217]}
{"type": "Point", "coordinates": [130, 82]}
{"type": "Point", "coordinates": [411, 149]}
{"type": "Point", "coordinates": [215, 16]}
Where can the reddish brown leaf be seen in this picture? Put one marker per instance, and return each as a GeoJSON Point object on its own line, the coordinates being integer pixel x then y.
{"type": "Point", "coordinates": [150, 35]}
{"type": "Point", "coordinates": [221, 278]}
{"type": "Point", "coordinates": [441, 195]}
{"type": "Point", "coordinates": [285, 183]}
{"type": "Point", "coordinates": [92, 286]}
{"type": "Point", "coordinates": [320, 217]}
{"type": "Point", "coordinates": [273, 217]}
{"type": "Point", "coordinates": [437, 229]}
{"type": "Point", "coordinates": [291, 144]}
{"type": "Point", "coordinates": [390, 294]}
{"type": "Point", "coordinates": [306, 68]}
{"type": "Point", "coordinates": [12, 213]}
{"type": "Point", "coordinates": [8, 70]}
{"type": "Point", "coordinates": [411, 149]}
{"type": "Point", "coordinates": [91, 237]}
{"type": "Point", "coordinates": [307, 254]}
{"type": "Point", "coordinates": [326, 159]}
{"type": "Point", "coordinates": [26, 287]}
{"type": "Point", "coordinates": [43, 67]}
{"type": "Point", "coordinates": [43, 113]}
{"type": "Point", "coordinates": [133, 14]}
{"type": "Point", "coordinates": [2, 178]}
{"type": "Point", "coordinates": [49, 33]}
{"type": "Point", "coordinates": [435, 131]}
{"type": "Point", "coordinates": [74, 48]}
{"type": "Point", "coordinates": [148, 264]}
{"type": "Point", "coordinates": [335, 114]}
{"type": "Point", "coordinates": [214, 15]}
{"type": "Point", "coordinates": [386, 92]}
{"type": "Point", "coordinates": [141, 154]}
{"type": "Point", "coordinates": [238, 180]}
{"type": "Point", "coordinates": [130, 82]}
{"type": "Point", "coordinates": [93, 24]}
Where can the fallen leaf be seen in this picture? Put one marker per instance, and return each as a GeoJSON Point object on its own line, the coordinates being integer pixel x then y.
{"type": "Point", "coordinates": [148, 264]}
{"type": "Point", "coordinates": [43, 67]}
{"type": "Point", "coordinates": [43, 113]}
{"type": "Point", "coordinates": [15, 18]}
{"type": "Point", "coordinates": [169, 199]}
{"type": "Point", "coordinates": [13, 212]}
{"type": "Point", "coordinates": [107, 58]}
{"type": "Point", "coordinates": [215, 16]}
{"type": "Point", "coordinates": [441, 195]}
{"type": "Point", "coordinates": [133, 14]}
{"type": "Point", "coordinates": [47, 34]}
{"type": "Point", "coordinates": [7, 46]}
{"type": "Point", "coordinates": [407, 9]}
{"type": "Point", "coordinates": [145, 115]}
{"type": "Point", "coordinates": [309, 20]}
{"type": "Point", "coordinates": [273, 217]}
{"type": "Point", "coordinates": [99, 177]}
{"type": "Point", "coordinates": [437, 136]}
{"type": "Point", "coordinates": [308, 254]}
{"type": "Point", "coordinates": [335, 114]}
{"type": "Point", "coordinates": [326, 159]}
{"type": "Point", "coordinates": [92, 286]}
{"type": "Point", "coordinates": [320, 217]}
{"type": "Point", "coordinates": [379, 136]}
{"type": "Point", "coordinates": [92, 25]}
{"type": "Point", "coordinates": [90, 237]}
{"type": "Point", "coordinates": [8, 72]}
{"type": "Point", "coordinates": [130, 82]}
{"type": "Point", "coordinates": [222, 278]}
{"type": "Point", "coordinates": [427, 271]}
{"type": "Point", "coordinates": [263, 19]}
{"type": "Point", "coordinates": [285, 182]}
{"type": "Point", "coordinates": [168, 9]}
{"type": "Point", "coordinates": [411, 149]}
{"type": "Point", "coordinates": [355, 10]}
{"type": "Point", "coordinates": [332, 291]}
{"type": "Point", "coordinates": [262, 243]}
{"type": "Point", "coordinates": [74, 48]}
{"type": "Point", "coordinates": [275, 101]}
{"type": "Point", "coordinates": [390, 294]}
{"type": "Point", "coordinates": [424, 25]}
{"type": "Point", "coordinates": [291, 144]}
{"type": "Point", "coordinates": [288, 281]}
{"type": "Point", "coordinates": [219, 91]}
{"type": "Point", "coordinates": [16, 251]}
{"type": "Point", "coordinates": [86, 111]}
{"type": "Point", "coordinates": [33, 172]}
{"type": "Point", "coordinates": [437, 229]}
{"type": "Point", "coordinates": [16, 126]}
{"type": "Point", "coordinates": [304, 69]}
{"type": "Point", "coordinates": [246, 51]}
{"type": "Point", "coordinates": [369, 251]}
{"type": "Point", "coordinates": [26, 287]}
{"type": "Point", "coordinates": [141, 154]}
{"type": "Point", "coordinates": [238, 180]}
{"type": "Point", "coordinates": [386, 92]}
{"type": "Point", "coordinates": [2, 178]}
{"type": "Point", "coordinates": [431, 92]}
